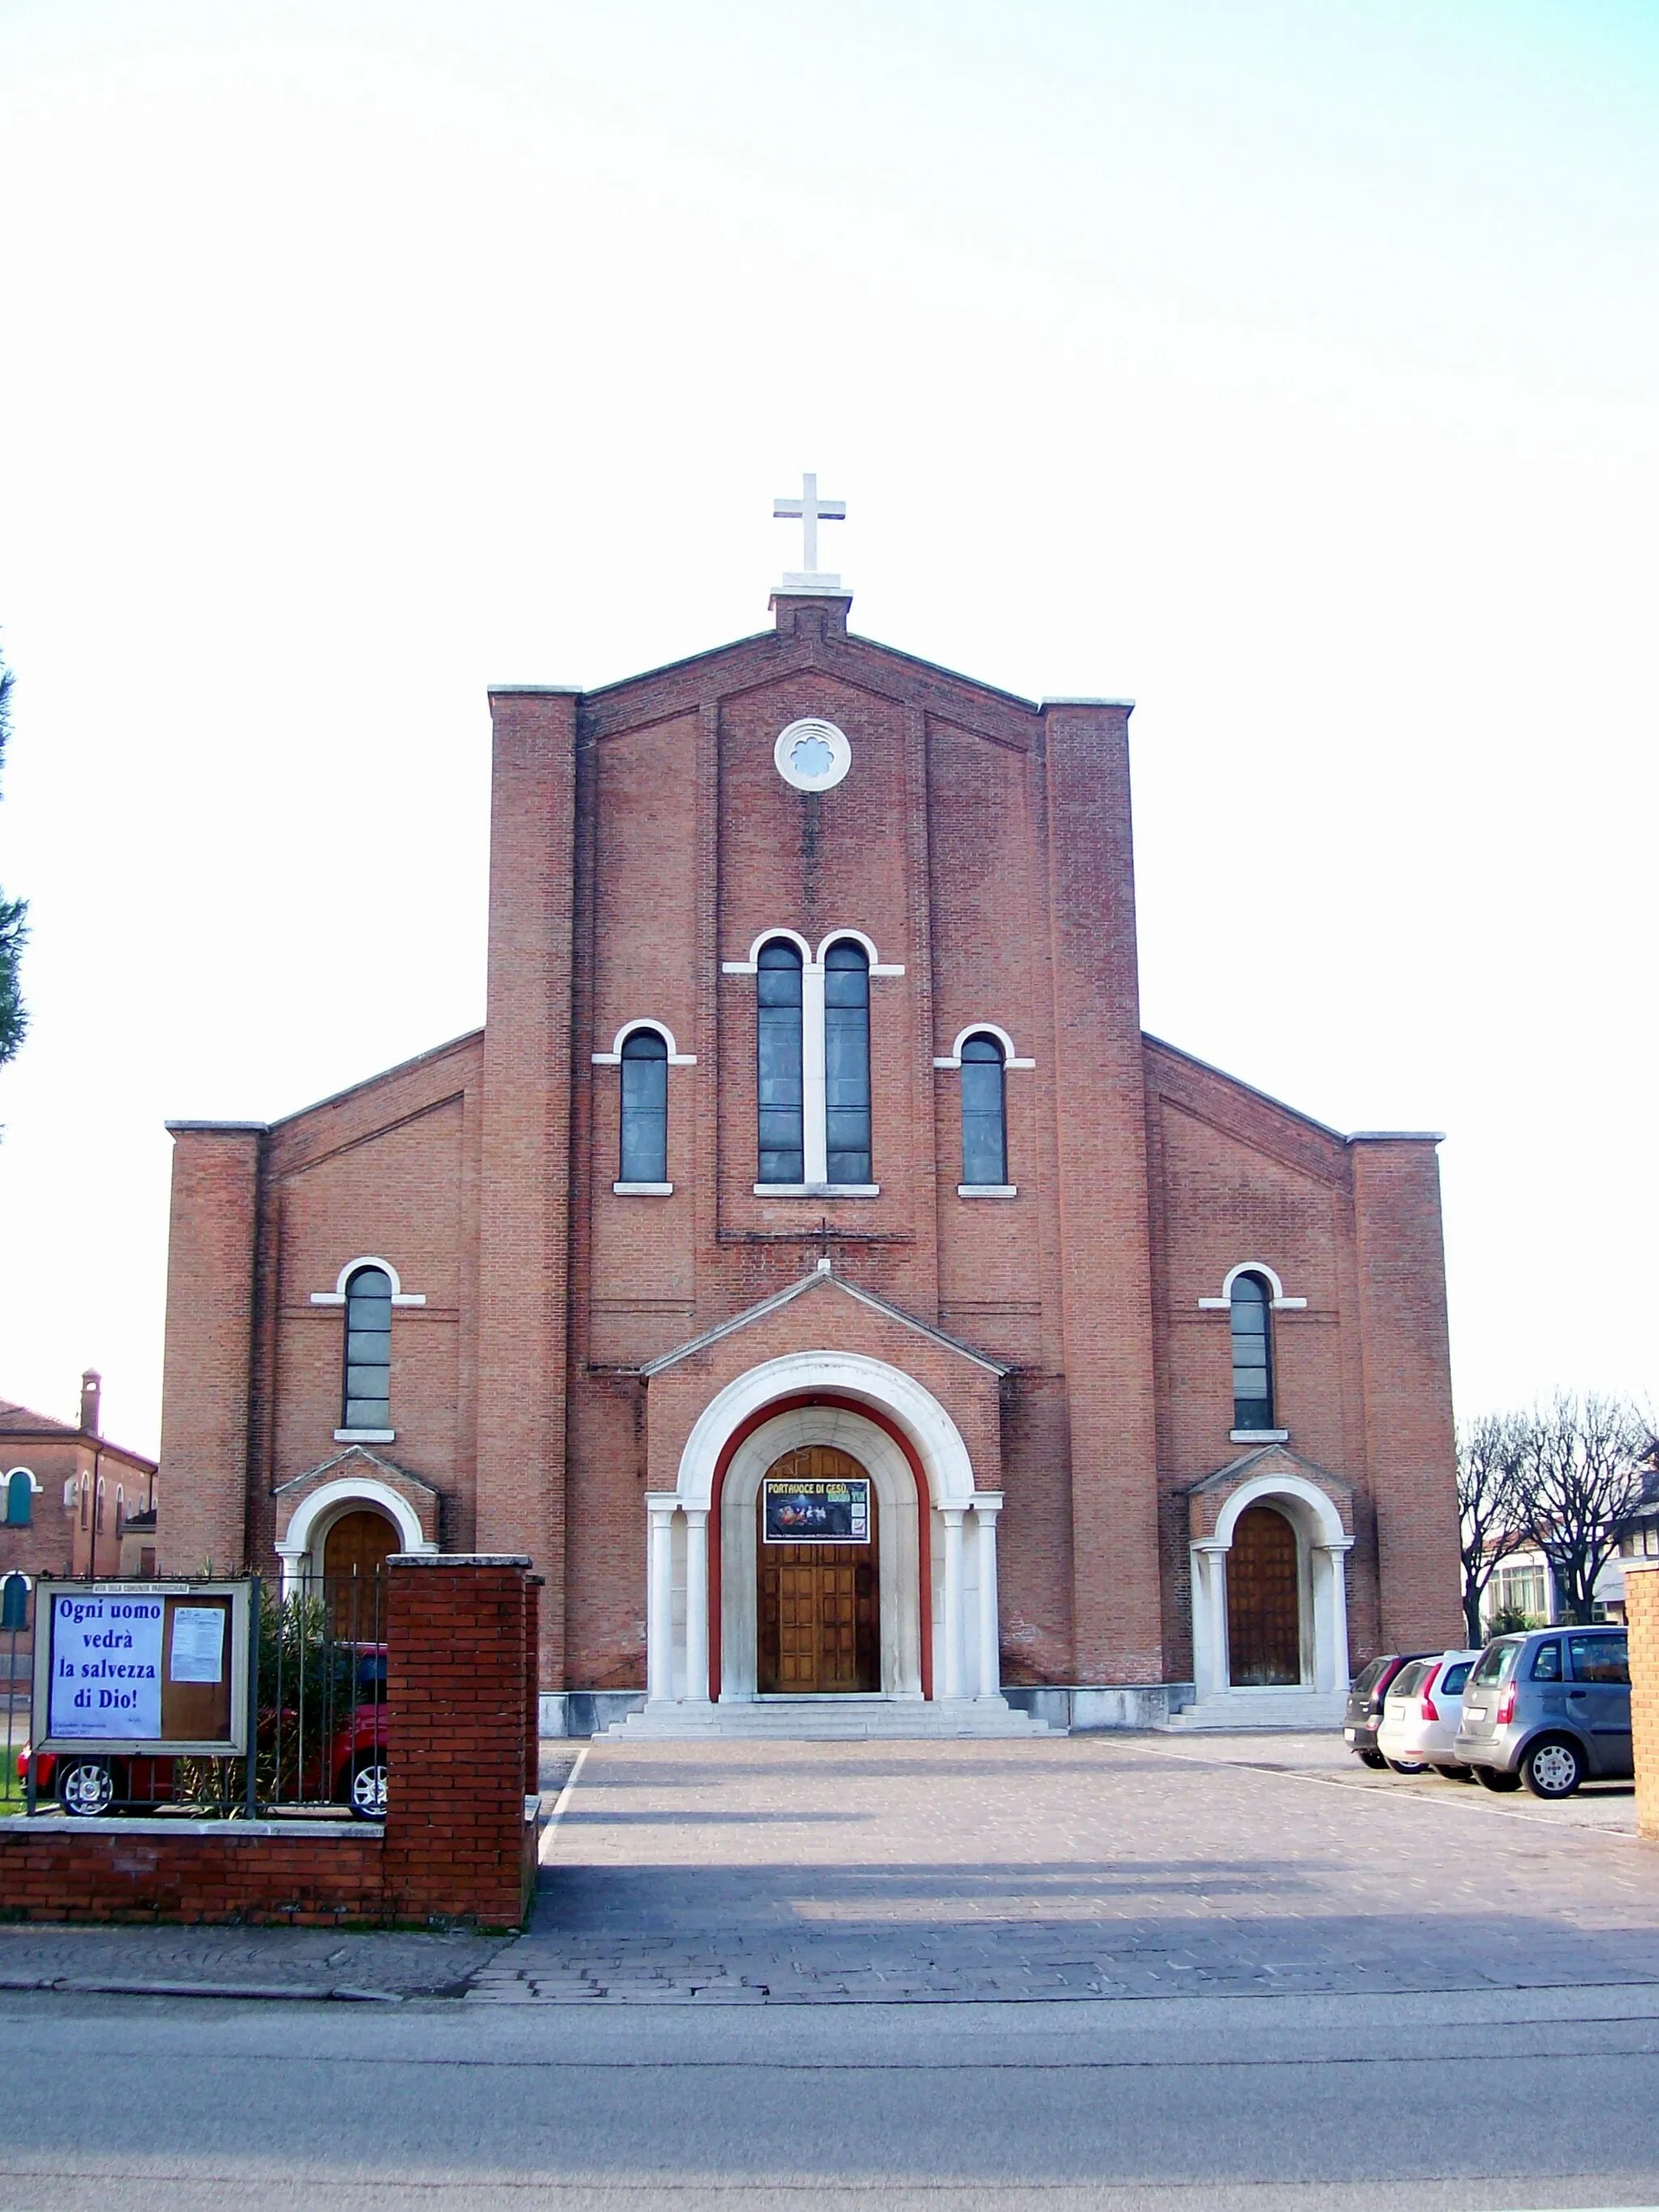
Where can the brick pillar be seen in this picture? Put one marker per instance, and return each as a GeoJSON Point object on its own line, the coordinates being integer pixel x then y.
{"type": "Point", "coordinates": [457, 1845]}
{"type": "Point", "coordinates": [1642, 1615]}
{"type": "Point", "coordinates": [201, 1495]}
{"type": "Point", "coordinates": [1105, 1257]}
{"type": "Point", "coordinates": [1406, 1361]}
{"type": "Point", "coordinates": [524, 1208]}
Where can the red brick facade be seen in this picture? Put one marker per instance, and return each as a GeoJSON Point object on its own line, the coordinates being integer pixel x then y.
{"type": "Point", "coordinates": [643, 843]}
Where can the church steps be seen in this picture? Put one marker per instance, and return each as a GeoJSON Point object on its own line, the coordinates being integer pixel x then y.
{"type": "Point", "coordinates": [820, 1720]}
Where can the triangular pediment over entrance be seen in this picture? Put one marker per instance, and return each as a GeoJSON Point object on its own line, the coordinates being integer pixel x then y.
{"type": "Point", "coordinates": [807, 1339]}
{"type": "Point", "coordinates": [1261, 1471]}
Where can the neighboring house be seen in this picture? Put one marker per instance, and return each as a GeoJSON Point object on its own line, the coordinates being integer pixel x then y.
{"type": "Point", "coordinates": [812, 1162]}
{"type": "Point", "coordinates": [1524, 1583]}
{"type": "Point", "coordinates": [68, 1499]}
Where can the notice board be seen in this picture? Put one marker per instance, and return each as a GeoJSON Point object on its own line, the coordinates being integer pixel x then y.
{"type": "Point", "coordinates": [151, 1667]}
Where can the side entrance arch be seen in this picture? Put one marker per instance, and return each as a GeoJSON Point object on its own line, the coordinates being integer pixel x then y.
{"type": "Point", "coordinates": [1270, 1617]}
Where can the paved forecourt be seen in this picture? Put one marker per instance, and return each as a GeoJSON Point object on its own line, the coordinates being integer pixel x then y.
{"type": "Point", "coordinates": [1085, 1866]}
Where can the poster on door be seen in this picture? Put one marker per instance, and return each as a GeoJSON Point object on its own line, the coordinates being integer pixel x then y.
{"type": "Point", "coordinates": [815, 1510]}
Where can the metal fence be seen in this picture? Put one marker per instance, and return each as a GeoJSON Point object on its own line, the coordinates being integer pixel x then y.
{"type": "Point", "coordinates": [320, 1738]}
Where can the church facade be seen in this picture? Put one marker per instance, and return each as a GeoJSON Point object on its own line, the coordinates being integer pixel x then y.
{"type": "Point", "coordinates": [810, 1263]}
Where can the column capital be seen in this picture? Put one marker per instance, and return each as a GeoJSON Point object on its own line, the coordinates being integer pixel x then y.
{"type": "Point", "coordinates": [987, 1503]}
{"type": "Point", "coordinates": [954, 1516]}
{"type": "Point", "coordinates": [661, 1502]}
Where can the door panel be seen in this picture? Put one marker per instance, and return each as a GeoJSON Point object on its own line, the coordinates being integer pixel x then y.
{"type": "Point", "coordinates": [355, 1553]}
{"type": "Point", "coordinates": [1264, 1612]}
{"type": "Point", "coordinates": [819, 1611]}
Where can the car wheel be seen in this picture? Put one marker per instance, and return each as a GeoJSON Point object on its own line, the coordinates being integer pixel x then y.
{"type": "Point", "coordinates": [367, 1796]}
{"type": "Point", "coordinates": [1455, 1773]}
{"type": "Point", "coordinates": [1553, 1768]}
{"type": "Point", "coordinates": [1405, 1766]}
{"type": "Point", "coordinates": [1493, 1777]}
{"type": "Point", "coordinates": [86, 1787]}
{"type": "Point", "coordinates": [1373, 1758]}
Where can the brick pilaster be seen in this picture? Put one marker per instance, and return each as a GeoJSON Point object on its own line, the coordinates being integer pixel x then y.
{"type": "Point", "coordinates": [524, 1227]}
{"type": "Point", "coordinates": [1105, 1265]}
{"type": "Point", "coordinates": [1642, 1616]}
{"type": "Point", "coordinates": [203, 1516]}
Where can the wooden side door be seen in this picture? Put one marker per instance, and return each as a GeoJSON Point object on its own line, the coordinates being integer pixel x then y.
{"type": "Point", "coordinates": [819, 1609]}
{"type": "Point", "coordinates": [1264, 1609]}
{"type": "Point", "coordinates": [355, 1553]}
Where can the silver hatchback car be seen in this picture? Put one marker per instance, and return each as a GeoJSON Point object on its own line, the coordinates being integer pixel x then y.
{"type": "Point", "coordinates": [1551, 1708]}
{"type": "Point", "coordinates": [1420, 1715]}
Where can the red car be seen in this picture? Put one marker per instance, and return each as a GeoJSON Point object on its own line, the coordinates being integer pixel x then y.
{"type": "Point", "coordinates": [351, 1770]}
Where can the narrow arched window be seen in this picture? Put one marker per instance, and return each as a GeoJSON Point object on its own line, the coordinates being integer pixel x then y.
{"type": "Point", "coordinates": [781, 1094]}
{"type": "Point", "coordinates": [14, 1603]}
{"type": "Point", "coordinates": [984, 1120]}
{"type": "Point", "coordinates": [644, 1108]}
{"type": "Point", "coordinates": [19, 1498]}
{"type": "Point", "coordinates": [98, 1507]}
{"type": "Point", "coordinates": [1252, 1365]}
{"type": "Point", "coordinates": [368, 1350]}
{"type": "Point", "coordinates": [847, 1063]}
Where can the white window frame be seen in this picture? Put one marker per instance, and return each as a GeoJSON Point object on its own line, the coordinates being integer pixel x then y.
{"type": "Point", "coordinates": [815, 1127]}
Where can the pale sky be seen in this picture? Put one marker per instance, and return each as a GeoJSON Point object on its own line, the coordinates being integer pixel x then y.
{"type": "Point", "coordinates": [1290, 367]}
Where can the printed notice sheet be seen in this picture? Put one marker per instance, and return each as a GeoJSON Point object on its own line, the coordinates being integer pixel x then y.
{"type": "Point", "coordinates": [199, 1644]}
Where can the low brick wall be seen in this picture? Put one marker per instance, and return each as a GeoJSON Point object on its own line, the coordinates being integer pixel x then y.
{"type": "Point", "coordinates": [459, 1841]}
{"type": "Point", "coordinates": [1641, 1618]}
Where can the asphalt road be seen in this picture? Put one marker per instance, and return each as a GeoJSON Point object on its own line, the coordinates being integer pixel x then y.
{"type": "Point", "coordinates": [1472, 2099]}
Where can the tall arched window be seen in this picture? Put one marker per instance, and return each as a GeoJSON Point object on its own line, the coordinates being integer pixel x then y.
{"type": "Point", "coordinates": [13, 1603]}
{"type": "Point", "coordinates": [847, 1063]}
{"type": "Point", "coordinates": [19, 1498]}
{"type": "Point", "coordinates": [984, 1121]}
{"type": "Point", "coordinates": [644, 1108]}
{"type": "Point", "coordinates": [780, 1091]}
{"type": "Point", "coordinates": [368, 1350]}
{"type": "Point", "coordinates": [1252, 1364]}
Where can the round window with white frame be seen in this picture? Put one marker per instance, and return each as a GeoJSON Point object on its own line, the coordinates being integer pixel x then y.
{"type": "Point", "coordinates": [812, 755]}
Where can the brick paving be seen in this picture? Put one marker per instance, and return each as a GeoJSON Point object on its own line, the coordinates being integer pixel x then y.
{"type": "Point", "coordinates": [1118, 1867]}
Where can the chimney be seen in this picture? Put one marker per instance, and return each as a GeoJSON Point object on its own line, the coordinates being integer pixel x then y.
{"type": "Point", "coordinates": [91, 1383]}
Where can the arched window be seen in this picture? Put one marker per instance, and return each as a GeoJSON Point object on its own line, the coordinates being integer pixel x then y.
{"type": "Point", "coordinates": [86, 1493]}
{"type": "Point", "coordinates": [19, 1498]}
{"type": "Point", "coordinates": [644, 1108]}
{"type": "Point", "coordinates": [1252, 1365]}
{"type": "Point", "coordinates": [984, 1122]}
{"type": "Point", "coordinates": [781, 1092]}
{"type": "Point", "coordinates": [368, 1350]}
{"type": "Point", "coordinates": [13, 1603]}
{"type": "Point", "coordinates": [847, 1063]}
{"type": "Point", "coordinates": [98, 1507]}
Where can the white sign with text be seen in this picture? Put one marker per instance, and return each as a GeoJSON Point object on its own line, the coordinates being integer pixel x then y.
{"type": "Point", "coordinates": [106, 1665]}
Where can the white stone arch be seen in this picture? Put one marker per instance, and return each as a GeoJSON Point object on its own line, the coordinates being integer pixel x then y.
{"type": "Point", "coordinates": [961, 1527]}
{"type": "Point", "coordinates": [301, 1546]}
{"type": "Point", "coordinates": [1280, 1303]}
{"type": "Point", "coordinates": [1011, 1055]}
{"type": "Point", "coordinates": [337, 1297]}
{"type": "Point", "coordinates": [676, 1057]}
{"type": "Point", "coordinates": [768, 936]}
{"type": "Point", "coordinates": [33, 1479]}
{"type": "Point", "coordinates": [1321, 1549]}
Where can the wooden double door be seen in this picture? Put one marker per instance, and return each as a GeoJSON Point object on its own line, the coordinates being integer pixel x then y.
{"type": "Point", "coordinates": [819, 1603]}
{"type": "Point", "coordinates": [1264, 1601]}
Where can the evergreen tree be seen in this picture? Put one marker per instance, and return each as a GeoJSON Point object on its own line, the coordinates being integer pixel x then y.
{"type": "Point", "coordinates": [13, 916]}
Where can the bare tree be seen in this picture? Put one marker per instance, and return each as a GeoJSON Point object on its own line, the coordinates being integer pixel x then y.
{"type": "Point", "coordinates": [1491, 1516]}
{"type": "Point", "coordinates": [1579, 1478]}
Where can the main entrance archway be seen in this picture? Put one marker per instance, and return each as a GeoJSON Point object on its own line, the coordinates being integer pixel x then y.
{"type": "Point", "coordinates": [1264, 1602]}
{"type": "Point", "coordinates": [932, 1533]}
{"type": "Point", "coordinates": [818, 1602]}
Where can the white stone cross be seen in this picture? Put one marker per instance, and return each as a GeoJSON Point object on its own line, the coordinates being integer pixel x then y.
{"type": "Point", "coordinates": [808, 510]}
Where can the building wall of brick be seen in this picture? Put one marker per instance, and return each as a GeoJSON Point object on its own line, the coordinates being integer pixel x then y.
{"type": "Point", "coordinates": [1641, 1619]}
{"type": "Point", "coordinates": [642, 840]}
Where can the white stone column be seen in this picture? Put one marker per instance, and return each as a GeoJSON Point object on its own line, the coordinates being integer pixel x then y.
{"type": "Point", "coordinates": [988, 1504]}
{"type": "Point", "coordinates": [954, 1516]}
{"type": "Point", "coordinates": [815, 1132]}
{"type": "Point", "coordinates": [696, 1604]}
{"type": "Point", "coordinates": [1209, 1617]}
{"type": "Point", "coordinates": [1331, 1614]}
{"type": "Point", "coordinates": [659, 1597]}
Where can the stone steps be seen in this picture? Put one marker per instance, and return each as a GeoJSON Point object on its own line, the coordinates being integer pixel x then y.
{"type": "Point", "coordinates": [1259, 1709]}
{"type": "Point", "coordinates": [829, 1720]}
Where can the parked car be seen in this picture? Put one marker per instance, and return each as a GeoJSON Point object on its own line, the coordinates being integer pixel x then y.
{"type": "Point", "coordinates": [1364, 1714]}
{"type": "Point", "coordinates": [350, 1770]}
{"type": "Point", "coordinates": [1551, 1708]}
{"type": "Point", "coordinates": [1421, 1713]}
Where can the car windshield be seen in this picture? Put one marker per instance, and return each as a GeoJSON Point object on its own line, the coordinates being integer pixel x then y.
{"type": "Point", "coordinates": [1493, 1665]}
{"type": "Point", "coordinates": [1455, 1678]}
{"type": "Point", "coordinates": [1600, 1658]}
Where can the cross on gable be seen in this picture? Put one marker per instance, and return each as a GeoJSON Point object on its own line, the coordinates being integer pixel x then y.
{"type": "Point", "coordinates": [808, 510]}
